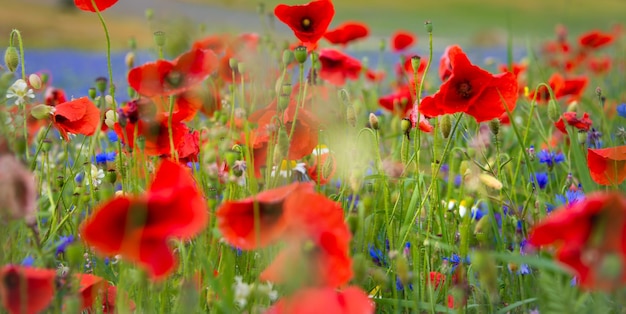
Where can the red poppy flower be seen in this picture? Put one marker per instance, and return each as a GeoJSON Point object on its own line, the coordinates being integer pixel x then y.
{"type": "Point", "coordinates": [186, 105]}
{"type": "Point", "coordinates": [556, 83]}
{"type": "Point", "coordinates": [307, 301]}
{"type": "Point", "coordinates": [25, 289]}
{"type": "Point", "coordinates": [445, 63]}
{"type": "Point", "coordinates": [595, 39]}
{"type": "Point", "coordinates": [139, 228]}
{"type": "Point", "coordinates": [308, 22]}
{"type": "Point", "coordinates": [323, 167]}
{"type": "Point", "coordinates": [401, 40]}
{"type": "Point", "coordinates": [400, 101]}
{"type": "Point", "coordinates": [420, 122]}
{"type": "Point", "coordinates": [573, 87]}
{"type": "Point", "coordinates": [587, 234]}
{"type": "Point", "coordinates": [87, 5]}
{"type": "Point", "coordinates": [347, 32]}
{"type": "Point", "coordinates": [216, 43]}
{"type": "Point", "coordinates": [582, 124]}
{"type": "Point", "coordinates": [54, 96]}
{"type": "Point", "coordinates": [318, 243]}
{"type": "Point", "coordinates": [93, 287]}
{"type": "Point", "coordinates": [473, 91]}
{"type": "Point", "coordinates": [156, 135]}
{"type": "Point", "coordinates": [236, 219]}
{"type": "Point", "coordinates": [79, 116]}
{"type": "Point", "coordinates": [171, 77]}
{"type": "Point", "coordinates": [599, 65]}
{"type": "Point", "coordinates": [337, 67]}
{"type": "Point", "coordinates": [607, 165]}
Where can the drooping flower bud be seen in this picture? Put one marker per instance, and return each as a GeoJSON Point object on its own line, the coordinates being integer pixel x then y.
{"type": "Point", "coordinates": [374, 121]}
{"type": "Point", "coordinates": [11, 58]}
{"type": "Point", "coordinates": [282, 146]}
{"type": "Point", "coordinates": [553, 111]}
{"type": "Point", "coordinates": [42, 111]}
{"type": "Point", "coordinates": [35, 81]}
{"type": "Point", "coordinates": [446, 125]}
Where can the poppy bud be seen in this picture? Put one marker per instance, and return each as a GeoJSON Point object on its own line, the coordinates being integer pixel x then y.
{"type": "Point", "coordinates": [287, 89]}
{"type": "Point", "coordinates": [241, 67]}
{"type": "Point", "coordinates": [282, 146]}
{"type": "Point", "coordinates": [379, 276]}
{"type": "Point", "coordinates": [35, 81]}
{"type": "Point", "coordinates": [356, 180]}
{"type": "Point", "coordinates": [11, 58]}
{"type": "Point", "coordinates": [149, 14]}
{"type": "Point", "coordinates": [287, 57]}
{"type": "Point", "coordinates": [159, 38]}
{"type": "Point", "coordinates": [101, 84]}
{"type": "Point", "coordinates": [406, 126]}
{"type": "Point", "coordinates": [283, 102]}
{"type": "Point", "coordinates": [232, 63]}
{"type": "Point", "coordinates": [463, 167]}
{"type": "Point", "coordinates": [42, 111]}
{"type": "Point", "coordinates": [446, 125]}
{"type": "Point", "coordinates": [351, 116]}
{"type": "Point", "coordinates": [374, 121]}
{"type": "Point", "coordinates": [494, 126]}
{"type": "Point", "coordinates": [231, 157]}
{"type": "Point", "coordinates": [301, 54]}
{"type": "Point", "coordinates": [92, 93]}
{"type": "Point", "coordinates": [553, 111]}
{"type": "Point", "coordinates": [429, 26]}
{"type": "Point", "coordinates": [582, 138]}
{"type": "Point", "coordinates": [415, 63]}
{"type": "Point", "coordinates": [110, 117]}
{"type": "Point", "coordinates": [130, 60]}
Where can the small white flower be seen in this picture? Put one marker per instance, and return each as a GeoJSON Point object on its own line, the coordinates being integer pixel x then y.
{"type": "Point", "coordinates": [268, 289]}
{"type": "Point", "coordinates": [19, 90]}
{"type": "Point", "coordinates": [295, 167]}
{"type": "Point", "coordinates": [242, 291]}
{"type": "Point", "coordinates": [96, 176]}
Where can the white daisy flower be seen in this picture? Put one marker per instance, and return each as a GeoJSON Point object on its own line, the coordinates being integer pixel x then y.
{"type": "Point", "coordinates": [20, 91]}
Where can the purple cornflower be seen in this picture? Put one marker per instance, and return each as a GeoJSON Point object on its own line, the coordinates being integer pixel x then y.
{"type": "Point", "coordinates": [621, 110]}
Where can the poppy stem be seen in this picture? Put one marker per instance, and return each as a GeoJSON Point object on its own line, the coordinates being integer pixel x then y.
{"type": "Point", "coordinates": [170, 131]}
{"type": "Point", "coordinates": [16, 33]}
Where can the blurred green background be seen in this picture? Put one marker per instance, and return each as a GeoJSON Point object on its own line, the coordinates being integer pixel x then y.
{"type": "Point", "coordinates": [56, 24]}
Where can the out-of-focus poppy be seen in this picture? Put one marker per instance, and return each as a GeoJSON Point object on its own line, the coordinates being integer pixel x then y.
{"type": "Point", "coordinates": [323, 165]}
{"type": "Point", "coordinates": [607, 165]}
{"type": "Point", "coordinates": [401, 40]}
{"type": "Point", "coordinates": [473, 91]}
{"type": "Point", "coordinates": [589, 236]}
{"type": "Point", "coordinates": [164, 77]}
{"type": "Point", "coordinates": [139, 228]}
{"type": "Point", "coordinates": [582, 124]}
{"type": "Point", "coordinates": [542, 94]}
{"type": "Point", "coordinates": [400, 101]}
{"type": "Point", "coordinates": [595, 39]}
{"type": "Point", "coordinates": [257, 221]}
{"type": "Point", "coordinates": [307, 301]}
{"type": "Point", "coordinates": [309, 21]}
{"type": "Point", "coordinates": [54, 96]}
{"type": "Point", "coordinates": [93, 287]}
{"type": "Point", "coordinates": [347, 33]}
{"type": "Point", "coordinates": [572, 87]}
{"type": "Point", "coordinates": [445, 63]}
{"type": "Point", "coordinates": [87, 5]}
{"type": "Point", "coordinates": [79, 116]}
{"type": "Point", "coordinates": [337, 66]}
{"type": "Point", "coordinates": [25, 289]}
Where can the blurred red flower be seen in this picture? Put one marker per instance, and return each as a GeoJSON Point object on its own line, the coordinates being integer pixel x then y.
{"type": "Point", "coordinates": [337, 67]}
{"type": "Point", "coordinates": [307, 301]}
{"type": "Point", "coordinates": [401, 40]}
{"type": "Point", "coordinates": [589, 237]}
{"type": "Point", "coordinates": [347, 33]}
{"type": "Point", "coordinates": [607, 165]}
{"type": "Point", "coordinates": [309, 21]}
{"type": "Point", "coordinates": [165, 78]}
{"type": "Point", "coordinates": [582, 124]}
{"type": "Point", "coordinates": [573, 87]}
{"type": "Point", "coordinates": [473, 91]}
{"type": "Point", "coordinates": [92, 288]}
{"type": "Point", "coordinates": [323, 166]}
{"type": "Point", "coordinates": [400, 101]}
{"type": "Point", "coordinates": [236, 219]}
{"type": "Point", "coordinates": [318, 243]}
{"type": "Point", "coordinates": [139, 227]}
{"type": "Point", "coordinates": [87, 5]}
{"type": "Point", "coordinates": [542, 94]}
{"type": "Point", "coordinates": [445, 63]}
{"type": "Point", "coordinates": [595, 39]}
{"type": "Point", "coordinates": [79, 116]}
{"type": "Point", "coordinates": [25, 289]}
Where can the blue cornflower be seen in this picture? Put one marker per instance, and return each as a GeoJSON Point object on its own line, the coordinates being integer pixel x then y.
{"type": "Point", "coordinates": [400, 286]}
{"type": "Point", "coordinates": [594, 139]}
{"type": "Point", "coordinates": [103, 158]}
{"type": "Point", "coordinates": [63, 243]}
{"type": "Point", "coordinates": [571, 196]}
{"type": "Point", "coordinates": [356, 200]}
{"type": "Point", "coordinates": [79, 177]}
{"type": "Point", "coordinates": [379, 112]}
{"type": "Point", "coordinates": [541, 179]}
{"type": "Point", "coordinates": [455, 260]}
{"type": "Point", "coordinates": [523, 270]}
{"type": "Point", "coordinates": [621, 110]}
{"type": "Point", "coordinates": [377, 256]}
{"type": "Point", "coordinates": [458, 179]}
{"type": "Point", "coordinates": [28, 261]}
{"type": "Point", "coordinates": [550, 158]}
{"type": "Point", "coordinates": [112, 136]}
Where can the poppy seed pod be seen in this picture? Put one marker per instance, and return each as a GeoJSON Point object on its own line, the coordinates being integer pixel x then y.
{"type": "Point", "coordinates": [287, 57]}
{"type": "Point", "coordinates": [101, 84]}
{"type": "Point", "coordinates": [429, 26]}
{"type": "Point", "coordinates": [415, 63]}
{"type": "Point", "coordinates": [11, 58]}
{"type": "Point", "coordinates": [494, 126]}
{"type": "Point", "coordinates": [300, 54]}
{"type": "Point", "coordinates": [159, 38]}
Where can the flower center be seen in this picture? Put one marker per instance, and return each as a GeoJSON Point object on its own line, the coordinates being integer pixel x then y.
{"type": "Point", "coordinates": [306, 23]}
{"type": "Point", "coordinates": [11, 280]}
{"type": "Point", "coordinates": [464, 89]}
{"type": "Point", "coordinates": [174, 78]}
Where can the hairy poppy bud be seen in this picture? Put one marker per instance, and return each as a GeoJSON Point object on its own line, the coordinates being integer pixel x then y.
{"type": "Point", "coordinates": [553, 111]}
{"type": "Point", "coordinates": [159, 38]}
{"type": "Point", "coordinates": [35, 81]}
{"type": "Point", "coordinates": [241, 67]}
{"type": "Point", "coordinates": [351, 116]}
{"type": "Point", "coordinates": [42, 111]}
{"type": "Point", "coordinates": [572, 107]}
{"type": "Point", "coordinates": [429, 26]}
{"type": "Point", "coordinates": [446, 125]}
{"type": "Point", "coordinates": [11, 58]}
{"type": "Point", "coordinates": [374, 121]}
{"type": "Point", "coordinates": [300, 53]}
{"type": "Point", "coordinates": [494, 126]}
{"type": "Point", "coordinates": [490, 181]}
{"type": "Point", "coordinates": [582, 137]}
{"type": "Point", "coordinates": [287, 57]}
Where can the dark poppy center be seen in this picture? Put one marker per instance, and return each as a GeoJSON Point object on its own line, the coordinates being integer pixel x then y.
{"type": "Point", "coordinates": [174, 78]}
{"type": "Point", "coordinates": [11, 280]}
{"type": "Point", "coordinates": [306, 23]}
{"type": "Point", "coordinates": [464, 89]}
{"type": "Point", "coordinates": [137, 216]}
{"type": "Point", "coordinates": [271, 211]}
